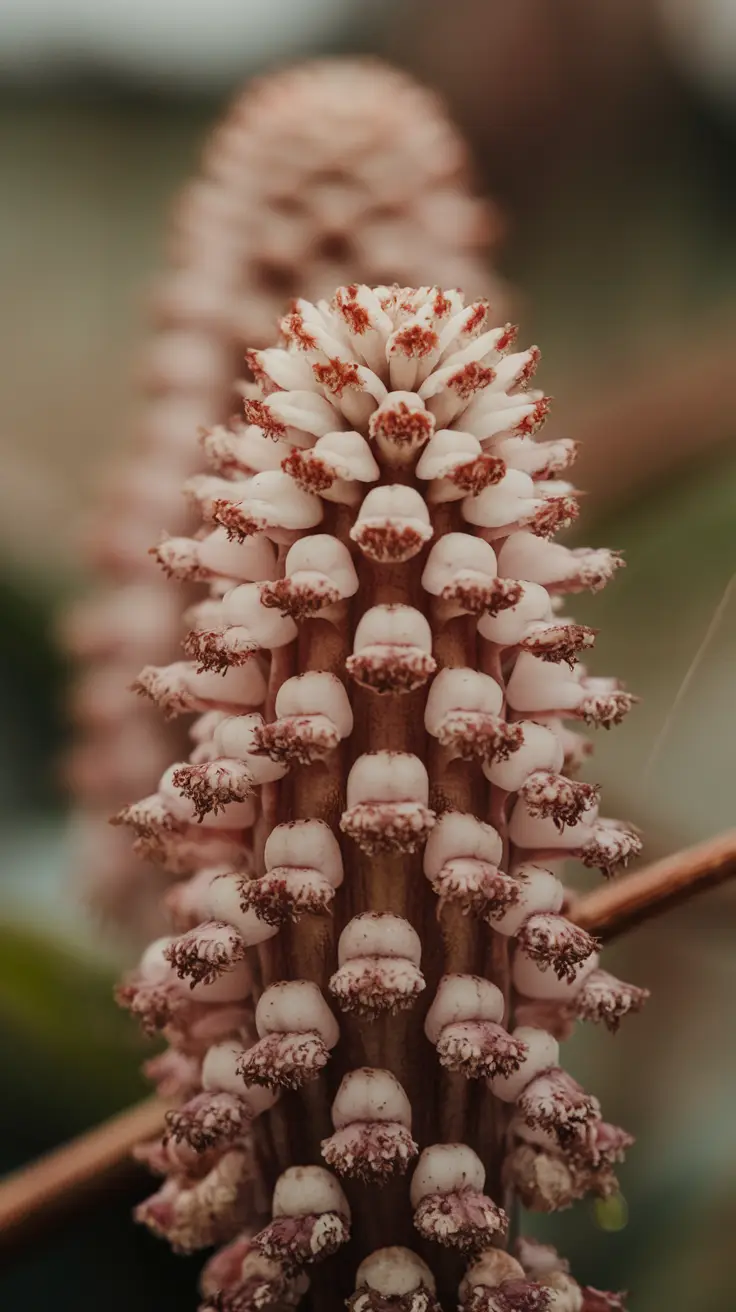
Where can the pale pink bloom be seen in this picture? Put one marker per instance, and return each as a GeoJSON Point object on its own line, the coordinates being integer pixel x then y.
{"type": "Point", "coordinates": [374, 811]}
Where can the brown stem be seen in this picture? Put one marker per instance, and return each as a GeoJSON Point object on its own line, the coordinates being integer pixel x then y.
{"type": "Point", "coordinates": [34, 1197]}
{"type": "Point", "coordinates": [621, 906]}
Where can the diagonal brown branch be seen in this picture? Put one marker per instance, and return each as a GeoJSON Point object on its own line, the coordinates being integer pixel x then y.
{"type": "Point", "coordinates": [626, 903]}
{"type": "Point", "coordinates": [33, 1198]}
{"type": "Point", "coordinates": [77, 1173]}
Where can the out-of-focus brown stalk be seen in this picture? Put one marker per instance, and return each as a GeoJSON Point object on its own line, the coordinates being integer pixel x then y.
{"type": "Point", "coordinates": [35, 1197]}
{"type": "Point", "coordinates": [618, 907]}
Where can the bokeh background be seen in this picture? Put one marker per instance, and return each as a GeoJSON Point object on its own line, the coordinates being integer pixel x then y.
{"type": "Point", "coordinates": [606, 132]}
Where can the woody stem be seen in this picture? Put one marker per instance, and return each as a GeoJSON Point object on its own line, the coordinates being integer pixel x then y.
{"type": "Point", "coordinates": [621, 906]}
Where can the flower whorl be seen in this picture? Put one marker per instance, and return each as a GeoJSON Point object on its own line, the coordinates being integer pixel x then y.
{"type": "Point", "coordinates": [336, 170]}
{"type": "Point", "coordinates": [382, 736]}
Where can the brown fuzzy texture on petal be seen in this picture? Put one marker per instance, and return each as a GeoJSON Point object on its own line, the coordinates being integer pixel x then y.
{"type": "Point", "coordinates": [376, 986]}
{"type": "Point", "coordinates": [389, 669]}
{"type": "Point", "coordinates": [366, 1299]}
{"type": "Point", "coordinates": [251, 1295]}
{"type": "Point", "coordinates": [234, 519]}
{"type": "Point", "coordinates": [483, 598]}
{"type": "Point", "coordinates": [604, 998]}
{"type": "Point", "coordinates": [606, 709]}
{"type": "Point", "coordinates": [309, 471]}
{"type": "Point", "coordinates": [278, 900]}
{"type": "Point", "coordinates": [415, 341]}
{"type": "Point", "coordinates": [387, 826]}
{"type": "Point", "coordinates": [200, 958]}
{"type": "Point", "coordinates": [405, 428]}
{"type": "Point", "coordinates": [210, 788]}
{"type": "Point", "coordinates": [370, 1152]}
{"type": "Point", "coordinates": [510, 1296]}
{"type": "Point", "coordinates": [560, 642]}
{"type": "Point", "coordinates": [465, 1219]}
{"type": "Point", "coordinates": [552, 941]}
{"type": "Point", "coordinates": [479, 1050]}
{"type": "Point", "coordinates": [219, 651]}
{"type": "Point", "coordinates": [258, 413]}
{"type": "Point", "coordinates": [337, 374]}
{"type": "Point", "coordinates": [470, 379]}
{"type": "Point", "coordinates": [300, 1240]}
{"type": "Point", "coordinates": [610, 849]}
{"type": "Point", "coordinates": [298, 600]}
{"type": "Point", "coordinates": [284, 1061]}
{"type": "Point", "coordinates": [565, 800]}
{"type": "Point", "coordinates": [171, 699]}
{"type": "Point", "coordinates": [153, 1005]}
{"type": "Point", "coordinates": [390, 542]}
{"type": "Point", "coordinates": [555, 1102]}
{"type": "Point", "coordinates": [210, 1120]}
{"type": "Point", "coordinates": [556, 513]}
{"type": "Point", "coordinates": [480, 736]}
{"type": "Point", "coordinates": [530, 424]}
{"type": "Point", "coordinates": [472, 476]}
{"type": "Point", "coordinates": [298, 739]}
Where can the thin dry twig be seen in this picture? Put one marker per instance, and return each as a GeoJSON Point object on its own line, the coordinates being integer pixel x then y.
{"type": "Point", "coordinates": [622, 905]}
{"type": "Point", "coordinates": [32, 1198]}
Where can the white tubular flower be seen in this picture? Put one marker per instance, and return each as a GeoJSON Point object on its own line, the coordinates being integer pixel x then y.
{"type": "Point", "coordinates": [400, 427]}
{"type": "Point", "coordinates": [536, 687]}
{"type": "Point", "coordinates": [464, 712]}
{"type": "Point", "coordinates": [221, 1116]}
{"type": "Point", "coordinates": [314, 715]}
{"type": "Point", "coordinates": [515, 500]}
{"type": "Point", "coordinates": [311, 1218]}
{"type": "Point", "coordinates": [318, 573]}
{"type": "Point", "coordinates": [392, 650]}
{"type": "Point", "coordinates": [461, 862]}
{"type": "Point", "coordinates": [529, 622]}
{"type": "Point", "coordinates": [372, 1119]}
{"type": "Point", "coordinates": [463, 1023]}
{"type": "Point", "coordinates": [240, 450]}
{"type": "Point", "coordinates": [334, 468]}
{"type": "Point", "coordinates": [558, 568]}
{"type": "Point", "coordinates": [242, 626]}
{"type": "Point", "coordinates": [395, 1278]}
{"type": "Point", "coordinates": [392, 524]}
{"type": "Point", "coordinates": [496, 1282]}
{"type": "Point", "coordinates": [379, 957]}
{"type": "Point", "coordinates": [462, 571]}
{"type": "Point", "coordinates": [448, 1200]}
{"type": "Point", "coordinates": [387, 795]}
{"type": "Point", "coordinates": [605, 844]}
{"type": "Point", "coordinates": [303, 870]}
{"type": "Point", "coordinates": [270, 503]}
{"type": "Point", "coordinates": [296, 1032]}
{"type": "Point", "coordinates": [214, 557]}
{"type": "Point", "coordinates": [456, 466]}
{"type": "Point", "coordinates": [533, 772]}
{"type": "Point", "coordinates": [180, 688]}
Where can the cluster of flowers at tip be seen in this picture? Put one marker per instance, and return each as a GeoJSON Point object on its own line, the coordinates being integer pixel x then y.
{"type": "Point", "coordinates": [390, 436]}
{"type": "Point", "coordinates": [319, 173]}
